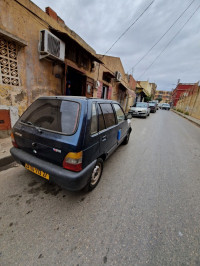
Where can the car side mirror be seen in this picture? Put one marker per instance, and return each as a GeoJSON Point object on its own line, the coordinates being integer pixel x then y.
{"type": "Point", "coordinates": [128, 116]}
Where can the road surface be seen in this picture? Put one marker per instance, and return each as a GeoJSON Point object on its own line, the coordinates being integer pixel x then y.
{"type": "Point", "coordinates": [145, 210]}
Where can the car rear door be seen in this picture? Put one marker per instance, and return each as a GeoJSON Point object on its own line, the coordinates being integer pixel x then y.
{"type": "Point", "coordinates": [122, 123]}
{"type": "Point", "coordinates": [108, 129]}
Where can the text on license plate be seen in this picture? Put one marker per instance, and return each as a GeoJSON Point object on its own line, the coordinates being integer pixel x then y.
{"type": "Point", "coordinates": [36, 171]}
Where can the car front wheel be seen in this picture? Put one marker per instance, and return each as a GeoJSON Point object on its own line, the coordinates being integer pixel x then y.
{"type": "Point", "coordinates": [96, 175]}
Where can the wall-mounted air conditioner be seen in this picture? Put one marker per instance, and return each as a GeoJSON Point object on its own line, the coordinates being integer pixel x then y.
{"type": "Point", "coordinates": [96, 84]}
{"type": "Point", "coordinates": [118, 75]}
{"type": "Point", "coordinates": [51, 46]}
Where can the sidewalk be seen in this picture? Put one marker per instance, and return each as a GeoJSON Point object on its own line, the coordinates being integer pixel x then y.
{"type": "Point", "coordinates": [190, 118]}
{"type": "Point", "coordinates": [5, 156]}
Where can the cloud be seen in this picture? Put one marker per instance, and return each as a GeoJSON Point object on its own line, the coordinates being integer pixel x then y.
{"type": "Point", "coordinates": [100, 23]}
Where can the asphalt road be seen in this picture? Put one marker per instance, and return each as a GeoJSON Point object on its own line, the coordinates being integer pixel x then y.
{"type": "Point", "coordinates": [145, 210]}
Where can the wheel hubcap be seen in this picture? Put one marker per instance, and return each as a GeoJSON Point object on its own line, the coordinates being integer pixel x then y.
{"type": "Point", "coordinates": [96, 174]}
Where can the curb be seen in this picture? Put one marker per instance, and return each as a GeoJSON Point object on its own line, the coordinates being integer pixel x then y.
{"type": "Point", "coordinates": [6, 160]}
{"type": "Point", "coordinates": [194, 122]}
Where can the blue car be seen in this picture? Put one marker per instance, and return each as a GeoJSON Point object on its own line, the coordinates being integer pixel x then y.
{"type": "Point", "coordinates": [66, 139]}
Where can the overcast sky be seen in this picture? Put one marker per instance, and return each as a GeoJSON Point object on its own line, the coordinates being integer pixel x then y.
{"type": "Point", "coordinates": [100, 23]}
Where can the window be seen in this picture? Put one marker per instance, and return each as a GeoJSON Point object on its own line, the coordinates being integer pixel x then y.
{"type": "Point", "coordinates": [53, 115]}
{"type": "Point", "coordinates": [104, 94]}
{"type": "Point", "coordinates": [8, 63]}
{"type": "Point", "coordinates": [89, 88]}
{"type": "Point", "coordinates": [101, 119]}
{"type": "Point", "coordinates": [108, 114]}
{"type": "Point", "coordinates": [93, 128]}
{"type": "Point", "coordinates": [119, 113]}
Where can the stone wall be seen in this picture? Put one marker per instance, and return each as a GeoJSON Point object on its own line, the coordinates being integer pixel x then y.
{"type": "Point", "coordinates": [189, 103]}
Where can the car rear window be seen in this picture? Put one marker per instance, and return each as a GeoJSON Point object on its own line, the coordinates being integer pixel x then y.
{"type": "Point", "coordinates": [54, 115]}
{"type": "Point", "coordinates": [108, 114]}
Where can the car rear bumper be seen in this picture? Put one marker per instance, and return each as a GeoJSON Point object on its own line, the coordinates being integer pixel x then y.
{"type": "Point", "coordinates": [139, 114]}
{"type": "Point", "coordinates": [66, 179]}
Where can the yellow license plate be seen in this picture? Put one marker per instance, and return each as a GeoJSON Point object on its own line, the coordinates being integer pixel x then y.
{"type": "Point", "coordinates": [36, 171]}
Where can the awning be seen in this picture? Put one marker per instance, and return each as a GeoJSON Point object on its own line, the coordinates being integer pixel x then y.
{"type": "Point", "coordinates": [63, 35]}
{"type": "Point", "coordinates": [108, 74]}
{"type": "Point", "coordinates": [140, 89]}
{"type": "Point", "coordinates": [122, 86]}
{"type": "Point", "coordinates": [131, 93]}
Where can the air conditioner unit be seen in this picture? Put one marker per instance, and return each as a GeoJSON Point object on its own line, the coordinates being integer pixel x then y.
{"type": "Point", "coordinates": [96, 84]}
{"type": "Point", "coordinates": [51, 46]}
{"type": "Point", "coordinates": [118, 75]}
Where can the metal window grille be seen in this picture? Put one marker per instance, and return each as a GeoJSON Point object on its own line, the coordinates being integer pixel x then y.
{"type": "Point", "coordinates": [8, 63]}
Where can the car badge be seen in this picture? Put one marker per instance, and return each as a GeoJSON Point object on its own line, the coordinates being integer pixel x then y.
{"type": "Point", "coordinates": [56, 150]}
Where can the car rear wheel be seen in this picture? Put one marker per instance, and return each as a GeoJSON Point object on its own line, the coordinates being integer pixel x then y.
{"type": "Point", "coordinates": [96, 175]}
{"type": "Point", "coordinates": [126, 140]}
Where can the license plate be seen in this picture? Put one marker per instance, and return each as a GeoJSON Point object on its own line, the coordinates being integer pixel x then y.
{"type": "Point", "coordinates": [36, 171]}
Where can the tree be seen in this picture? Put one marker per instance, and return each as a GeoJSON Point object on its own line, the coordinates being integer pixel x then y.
{"type": "Point", "coordinates": [159, 99]}
{"type": "Point", "coordinates": [147, 98]}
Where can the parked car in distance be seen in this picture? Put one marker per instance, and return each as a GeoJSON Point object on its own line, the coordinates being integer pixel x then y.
{"type": "Point", "coordinates": [160, 105]}
{"type": "Point", "coordinates": [165, 106]}
{"type": "Point", "coordinates": [140, 109]}
{"type": "Point", "coordinates": [156, 102]}
{"type": "Point", "coordinates": [66, 139]}
{"type": "Point", "coordinates": [153, 107]}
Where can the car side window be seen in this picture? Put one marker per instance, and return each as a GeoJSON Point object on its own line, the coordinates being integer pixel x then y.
{"type": "Point", "coordinates": [108, 114]}
{"type": "Point", "coordinates": [101, 119]}
{"type": "Point", "coordinates": [119, 112]}
{"type": "Point", "coordinates": [93, 127]}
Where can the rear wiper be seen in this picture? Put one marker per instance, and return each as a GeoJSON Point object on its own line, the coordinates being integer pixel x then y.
{"type": "Point", "coordinates": [27, 122]}
{"type": "Point", "coordinates": [31, 124]}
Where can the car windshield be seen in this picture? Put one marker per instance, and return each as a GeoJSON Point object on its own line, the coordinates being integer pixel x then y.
{"type": "Point", "coordinates": [53, 114]}
{"type": "Point", "coordinates": [167, 105]}
{"type": "Point", "coordinates": [152, 104]}
{"type": "Point", "coordinates": [141, 105]}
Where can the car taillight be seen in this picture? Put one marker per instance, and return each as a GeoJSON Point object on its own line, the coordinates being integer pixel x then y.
{"type": "Point", "coordinates": [73, 161]}
{"type": "Point", "coordinates": [13, 140]}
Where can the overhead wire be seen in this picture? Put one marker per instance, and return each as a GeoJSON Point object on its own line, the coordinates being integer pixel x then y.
{"type": "Point", "coordinates": [129, 27]}
{"type": "Point", "coordinates": [170, 42]}
{"type": "Point", "coordinates": [162, 36]}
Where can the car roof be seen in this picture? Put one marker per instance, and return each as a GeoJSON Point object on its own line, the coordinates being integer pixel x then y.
{"type": "Point", "coordinates": [78, 98]}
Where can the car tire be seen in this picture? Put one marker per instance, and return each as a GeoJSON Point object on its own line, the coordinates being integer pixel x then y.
{"type": "Point", "coordinates": [126, 140]}
{"type": "Point", "coordinates": [95, 176]}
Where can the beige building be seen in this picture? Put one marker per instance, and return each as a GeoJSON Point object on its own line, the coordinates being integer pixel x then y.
{"type": "Point", "coordinates": [143, 90]}
{"type": "Point", "coordinates": [39, 55]}
{"type": "Point", "coordinates": [165, 96]}
{"type": "Point", "coordinates": [113, 83]}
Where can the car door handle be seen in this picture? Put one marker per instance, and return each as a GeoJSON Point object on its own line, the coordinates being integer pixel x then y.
{"type": "Point", "coordinates": [104, 138]}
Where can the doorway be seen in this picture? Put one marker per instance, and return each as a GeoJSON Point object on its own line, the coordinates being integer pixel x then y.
{"type": "Point", "coordinates": [77, 82]}
{"type": "Point", "coordinates": [104, 94]}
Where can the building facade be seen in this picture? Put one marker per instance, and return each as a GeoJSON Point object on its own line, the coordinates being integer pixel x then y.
{"type": "Point", "coordinates": [153, 90]}
{"type": "Point", "coordinates": [113, 83]}
{"type": "Point", "coordinates": [181, 88]}
{"type": "Point", "coordinates": [39, 55]}
{"type": "Point", "coordinates": [189, 102]}
{"type": "Point", "coordinates": [163, 96]}
{"type": "Point", "coordinates": [143, 90]}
